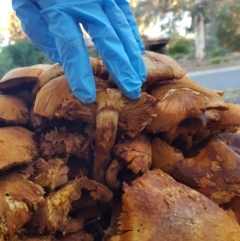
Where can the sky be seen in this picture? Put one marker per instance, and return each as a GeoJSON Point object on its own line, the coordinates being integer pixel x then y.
{"type": "Point", "coordinates": [5, 8]}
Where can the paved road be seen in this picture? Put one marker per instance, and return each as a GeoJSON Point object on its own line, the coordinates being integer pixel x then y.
{"type": "Point", "coordinates": [218, 79]}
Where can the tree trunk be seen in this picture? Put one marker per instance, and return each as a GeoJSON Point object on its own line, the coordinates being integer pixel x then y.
{"type": "Point", "coordinates": [199, 32]}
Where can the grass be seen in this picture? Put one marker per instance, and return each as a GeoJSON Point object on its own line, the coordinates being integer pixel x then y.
{"type": "Point", "coordinates": [215, 61]}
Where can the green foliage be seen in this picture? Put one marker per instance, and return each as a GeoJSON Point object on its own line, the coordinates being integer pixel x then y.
{"type": "Point", "coordinates": [20, 54]}
{"type": "Point", "coordinates": [6, 62]}
{"type": "Point", "coordinates": [228, 31]}
{"type": "Point", "coordinates": [216, 61]}
{"type": "Point", "coordinates": [180, 48]}
{"type": "Point", "coordinates": [219, 52]}
{"type": "Point", "coordinates": [180, 45]}
{"type": "Point", "coordinates": [150, 11]}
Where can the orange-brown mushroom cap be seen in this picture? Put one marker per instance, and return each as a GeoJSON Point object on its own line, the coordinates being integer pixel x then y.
{"type": "Point", "coordinates": [161, 67]}
{"type": "Point", "coordinates": [136, 152]}
{"type": "Point", "coordinates": [19, 76]}
{"type": "Point", "coordinates": [13, 110]}
{"type": "Point", "coordinates": [229, 118]}
{"type": "Point", "coordinates": [51, 96]}
{"type": "Point", "coordinates": [181, 99]}
{"type": "Point", "coordinates": [156, 207]}
{"type": "Point", "coordinates": [164, 156]}
{"type": "Point", "coordinates": [19, 198]}
{"type": "Point", "coordinates": [211, 168]}
{"type": "Point", "coordinates": [17, 146]}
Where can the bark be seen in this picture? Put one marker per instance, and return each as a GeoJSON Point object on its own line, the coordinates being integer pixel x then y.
{"type": "Point", "coordinates": [199, 30]}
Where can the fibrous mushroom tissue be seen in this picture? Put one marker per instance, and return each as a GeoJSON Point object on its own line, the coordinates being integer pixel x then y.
{"type": "Point", "coordinates": [164, 167]}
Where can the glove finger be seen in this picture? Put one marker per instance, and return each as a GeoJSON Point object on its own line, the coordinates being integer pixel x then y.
{"type": "Point", "coordinates": [126, 36]}
{"type": "Point", "coordinates": [30, 17]}
{"type": "Point", "coordinates": [78, 70]}
{"type": "Point", "coordinates": [113, 53]}
{"type": "Point", "coordinates": [126, 9]}
{"type": "Point", "coordinates": [73, 54]}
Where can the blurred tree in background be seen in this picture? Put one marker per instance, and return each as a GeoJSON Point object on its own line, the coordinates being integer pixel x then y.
{"type": "Point", "coordinates": [181, 47]}
{"type": "Point", "coordinates": [221, 19]}
{"type": "Point", "coordinates": [228, 31]}
{"type": "Point", "coordinates": [15, 30]}
{"type": "Point", "coordinates": [20, 51]}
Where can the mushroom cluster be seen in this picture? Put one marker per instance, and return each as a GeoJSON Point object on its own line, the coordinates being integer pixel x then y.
{"type": "Point", "coordinates": [163, 167]}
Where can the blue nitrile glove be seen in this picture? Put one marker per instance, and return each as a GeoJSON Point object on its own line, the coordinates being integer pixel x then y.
{"type": "Point", "coordinates": [110, 32]}
{"type": "Point", "coordinates": [125, 7]}
{"type": "Point", "coordinates": [36, 28]}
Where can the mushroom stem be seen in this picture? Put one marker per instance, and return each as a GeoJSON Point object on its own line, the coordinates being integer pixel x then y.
{"type": "Point", "coordinates": [109, 103]}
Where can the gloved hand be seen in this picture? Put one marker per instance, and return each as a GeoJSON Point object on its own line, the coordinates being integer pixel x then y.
{"type": "Point", "coordinates": [125, 7]}
{"type": "Point", "coordinates": [53, 26]}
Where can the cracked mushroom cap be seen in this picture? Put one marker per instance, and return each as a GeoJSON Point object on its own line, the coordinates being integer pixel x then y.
{"type": "Point", "coordinates": [229, 118]}
{"type": "Point", "coordinates": [132, 153]}
{"type": "Point", "coordinates": [234, 206]}
{"type": "Point", "coordinates": [181, 99]}
{"type": "Point", "coordinates": [19, 76]}
{"type": "Point", "coordinates": [54, 216]}
{"type": "Point", "coordinates": [192, 126]}
{"type": "Point", "coordinates": [13, 110]}
{"type": "Point", "coordinates": [17, 146]}
{"type": "Point", "coordinates": [19, 198]}
{"type": "Point", "coordinates": [164, 156]}
{"type": "Point", "coordinates": [156, 207]}
{"type": "Point", "coordinates": [62, 143]}
{"type": "Point", "coordinates": [192, 130]}
{"type": "Point", "coordinates": [211, 168]}
{"type": "Point", "coordinates": [135, 152]}
{"type": "Point", "coordinates": [51, 173]}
